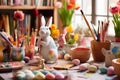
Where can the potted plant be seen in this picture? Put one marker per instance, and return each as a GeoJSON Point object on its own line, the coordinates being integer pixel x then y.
{"type": "Point", "coordinates": [65, 10]}
{"type": "Point", "coordinates": [115, 10]}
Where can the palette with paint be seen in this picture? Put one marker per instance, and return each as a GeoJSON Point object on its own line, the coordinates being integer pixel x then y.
{"type": "Point", "coordinates": [9, 66]}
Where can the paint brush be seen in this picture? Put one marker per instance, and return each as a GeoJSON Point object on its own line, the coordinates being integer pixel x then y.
{"type": "Point", "coordinates": [87, 24]}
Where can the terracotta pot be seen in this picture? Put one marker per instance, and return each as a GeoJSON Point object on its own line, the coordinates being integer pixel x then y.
{"type": "Point", "coordinates": [96, 48]}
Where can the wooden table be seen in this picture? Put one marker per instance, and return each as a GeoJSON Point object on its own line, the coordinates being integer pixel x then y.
{"type": "Point", "coordinates": [72, 73]}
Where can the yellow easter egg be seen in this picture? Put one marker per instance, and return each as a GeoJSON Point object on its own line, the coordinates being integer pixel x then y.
{"type": "Point", "coordinates": [40, 76]}
{"type": "Point", "coordinates": [67, 57]}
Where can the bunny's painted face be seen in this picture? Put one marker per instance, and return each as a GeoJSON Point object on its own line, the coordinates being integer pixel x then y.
{"type": "Point", "coordinates": [44, 31]}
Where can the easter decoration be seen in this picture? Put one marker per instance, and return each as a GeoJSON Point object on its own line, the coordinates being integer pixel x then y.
{"type": "Point", "coordinates": [47, 47]}
{"type": "Point", "coordinates": [111, 54]}
{"type": "Point", "coordinates": [4, 47]}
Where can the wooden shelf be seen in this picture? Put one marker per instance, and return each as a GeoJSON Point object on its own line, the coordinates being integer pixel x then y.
{"type": "Point", "coordinates": [25, 7]}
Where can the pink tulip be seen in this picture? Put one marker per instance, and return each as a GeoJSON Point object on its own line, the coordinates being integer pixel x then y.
{"type": "Point", "coordinates": [19, 15]}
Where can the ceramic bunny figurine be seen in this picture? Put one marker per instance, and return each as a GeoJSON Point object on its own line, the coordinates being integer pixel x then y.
{"type": "Point", "coordinates": [47, 47]}
{"type": "Point", "coordinates": [111, 54]}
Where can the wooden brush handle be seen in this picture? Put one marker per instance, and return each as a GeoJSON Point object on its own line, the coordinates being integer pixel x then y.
{"type": "Point", "coordinates": [87, 24]}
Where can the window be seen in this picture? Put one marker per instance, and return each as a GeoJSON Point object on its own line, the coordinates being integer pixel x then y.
{"type": "Point", "coordinates": [94, 11]}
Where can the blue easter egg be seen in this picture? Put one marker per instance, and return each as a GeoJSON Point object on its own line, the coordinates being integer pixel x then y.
{"type": "Point", "coordinates": [36, 72]}
{"type": "Point", "coordinates": [45, 72]}
{"type": "Point", "coordinates": [55, 72]}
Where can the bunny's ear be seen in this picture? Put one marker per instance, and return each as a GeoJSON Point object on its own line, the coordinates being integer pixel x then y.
{"type": "Point", "coordinates": [49, 23]}
{"type": "Point", "coordinates": [43, 22]}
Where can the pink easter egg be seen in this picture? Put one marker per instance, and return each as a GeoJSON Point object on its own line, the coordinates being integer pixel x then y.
{"type": "Point", "coordinates": [49, 76]}
{"type": "Point", "coordinates": [59, 76]}
{"type": "Point", "coordinates": [110, 71]}
{"type": "Point", "coordinates": [76, 61]}
{"type": "Point", "coordinates": [83, 67]}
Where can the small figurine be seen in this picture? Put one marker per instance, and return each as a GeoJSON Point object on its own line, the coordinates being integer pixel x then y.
{"type": "Point", "coordinates": [62, 39]}
{"type": "Point", "coordinates": [47, 47]}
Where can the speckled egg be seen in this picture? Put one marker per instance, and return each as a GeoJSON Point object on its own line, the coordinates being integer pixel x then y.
{"type": "Point", "coordinates": [59, 76]}
{"type": "Point", "coordinates": [50, 76]}
{"type": "Point", "coordinates": [110, 70]}
{"type": "Point", "coordinates": [76, 61]}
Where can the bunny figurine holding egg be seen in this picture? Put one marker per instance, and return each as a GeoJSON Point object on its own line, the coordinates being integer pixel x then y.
{"type": "Point", "coordinates": [47, 47]}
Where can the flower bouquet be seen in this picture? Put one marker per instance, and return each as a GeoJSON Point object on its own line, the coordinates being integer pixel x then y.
{"type": "Point", "coordinates": [66, 10]}
{"type": "Point", "coordinates": [115, 10]}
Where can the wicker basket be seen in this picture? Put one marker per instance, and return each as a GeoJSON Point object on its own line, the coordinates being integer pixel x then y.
{"type": "Point", "coordinates": [116, 65]}
{"type": "Point", "coordinates": [83, 54]}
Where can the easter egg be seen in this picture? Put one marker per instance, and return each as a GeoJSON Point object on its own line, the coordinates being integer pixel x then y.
{"type": "Point", "coordinates": [92, 68]}
{"type": "Point", "coordinates": [76, 61]}
{"type": "Point", "coordinates": [36, 72]}
{"type": "Point", "coordinates": [26, 59]}
{"type": "Point", "coordinates": [20, 72]}
{"type": "Point", "coordinates": [50, 76]}
{"type": "Point", "coordinates": [59, 76]}
{"type": "Point", "coordinates": [45, 72]}
{"type": "Point", "coordinates": [103, 70]}
{"type": "Point", "coordinates": [39, 76]}
{"type": "Point", "coordinates": [83, 66]}
{"type": "Point", "coordinates": [20, 76]}
{"type": "Point", "coordinates": [29, 74]}
{"type": "Point", "coordinates": [67, 57]}
{"type": "Point", "coordinates": [55, 72]}
{"type": "Point", "coordinates": [110, 70]}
